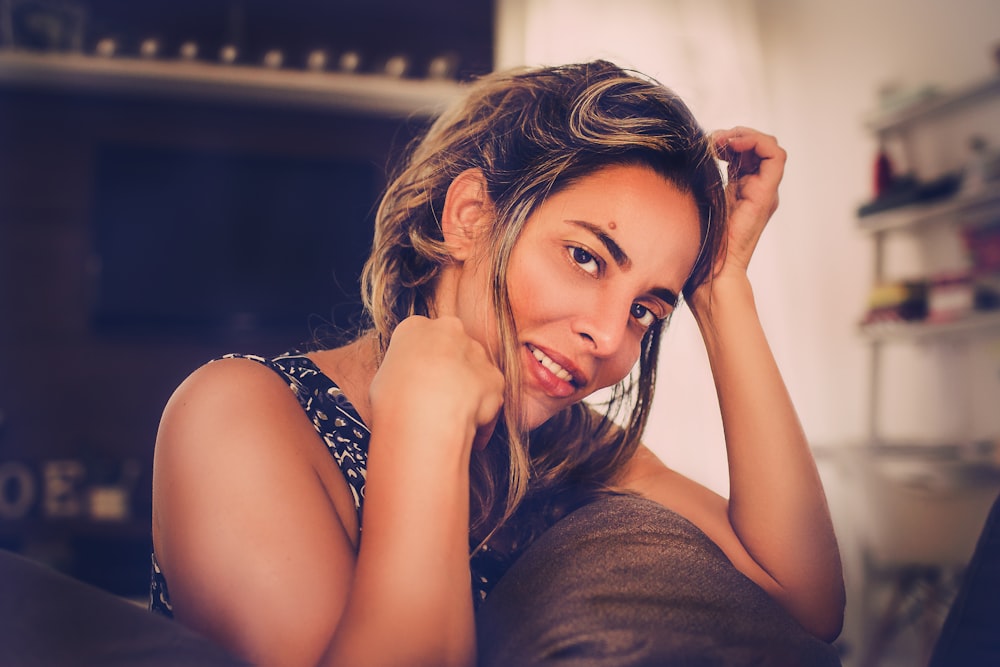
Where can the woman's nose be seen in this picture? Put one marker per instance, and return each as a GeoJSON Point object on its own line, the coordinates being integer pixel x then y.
{"type": "Point", "coordinates": [603, 327]}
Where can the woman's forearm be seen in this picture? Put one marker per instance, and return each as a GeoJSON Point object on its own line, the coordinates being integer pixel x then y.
{"type": "Point", "coordinates": [410, 602]}
{"type": "Point", "coordinates": [411, 599]}
{"type": "Point", "coordinates": [777, 506]}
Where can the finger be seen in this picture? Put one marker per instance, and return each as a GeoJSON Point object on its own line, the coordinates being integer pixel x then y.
{"type": "Point", "coordinates": [745, 142]}
{"type": "Point", "coordinates": [742, 139]}
{"type": "Point", "coordinates": [760, 176]}
{"type": "Point", "coordinates": [739, 155]}
{"type": "Point", "coordinates": [744, 164]}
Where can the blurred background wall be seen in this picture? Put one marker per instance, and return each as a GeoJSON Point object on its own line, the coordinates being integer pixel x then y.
{"type": "Point", "coordinates": [905, 431]}
{"type": "Point", "coordinates": [179, 180]}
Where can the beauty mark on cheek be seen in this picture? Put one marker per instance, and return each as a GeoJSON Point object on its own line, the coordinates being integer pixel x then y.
{"type": "Point", "coordinates": [612, 225]}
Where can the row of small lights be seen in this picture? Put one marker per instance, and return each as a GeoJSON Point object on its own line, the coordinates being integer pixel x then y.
{"type": "Point", "coordinates": [318, 60]}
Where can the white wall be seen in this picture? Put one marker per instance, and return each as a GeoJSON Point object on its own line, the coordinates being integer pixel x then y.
{"type": "Point", "coordinates": [808, 72]}
{"type": "Point", "coordinates": [825, 64]}
{"type": "Point", "coordinates": [707, 51]}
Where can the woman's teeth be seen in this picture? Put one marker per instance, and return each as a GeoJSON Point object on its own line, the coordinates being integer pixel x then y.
{"type": "Point", "coordinates": [552, 366]}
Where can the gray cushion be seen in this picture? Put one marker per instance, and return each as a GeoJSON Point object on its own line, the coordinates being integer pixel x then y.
{"type": "Point", "coordinates": [48, 619]}
{"type": "Point", "coordinates": [624, 582]}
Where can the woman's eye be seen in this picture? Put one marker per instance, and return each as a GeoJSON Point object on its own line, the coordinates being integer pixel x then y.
{"type": "Point", "coordinates": [585, 260]}
{"type": "Point", "coordinates": [643, 315]}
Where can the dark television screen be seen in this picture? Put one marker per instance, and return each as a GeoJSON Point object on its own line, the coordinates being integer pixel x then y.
{"type": "Point", "coordinates": [196, 241]}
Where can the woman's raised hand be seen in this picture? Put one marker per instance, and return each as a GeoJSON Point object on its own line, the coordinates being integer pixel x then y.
{"type": "Point", "coordinates": [756, 165]}
{"type": "Point", "coordinates": [776, 524]}
{"type": "Point", "coordinates": [435, 396]}
{"type": "Point", "coordinates": [435, 377]}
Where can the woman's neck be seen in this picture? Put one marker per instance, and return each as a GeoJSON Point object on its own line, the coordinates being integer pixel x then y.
{"type": "Point", "coordinates": [352, 367]}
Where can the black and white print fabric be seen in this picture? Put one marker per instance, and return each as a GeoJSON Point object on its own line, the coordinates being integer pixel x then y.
{"type": "Point", "coordinates": [346, 437]}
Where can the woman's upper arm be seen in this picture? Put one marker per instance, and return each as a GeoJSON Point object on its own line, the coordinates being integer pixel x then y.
{"type": "Point", "coordinates": [253, 550]}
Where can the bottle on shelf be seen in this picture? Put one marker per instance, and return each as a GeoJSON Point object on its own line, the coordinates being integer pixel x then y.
{"type": "Point", "coordinates": [885, 176]}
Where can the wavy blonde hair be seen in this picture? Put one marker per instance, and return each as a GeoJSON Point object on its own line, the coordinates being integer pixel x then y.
{"type": "Point", "coordinates": [531, 133]}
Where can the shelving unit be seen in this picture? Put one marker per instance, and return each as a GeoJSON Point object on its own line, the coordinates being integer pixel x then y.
{"type": "Point", "coordinates": [974, 325]}
{"type": "Point", "coordinates": [971, 210]}
{"type": "Point", "coordinates": [961, 211]}
{"type": "Point", "coordinates": [203, 81]}
{"type": "Point", "coordinates": [923, 493]}
{"type": "Point", "coordinates": [935, 105]}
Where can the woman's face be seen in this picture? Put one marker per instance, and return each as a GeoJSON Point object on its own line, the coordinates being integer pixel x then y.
{"type": "Point", "coordinates": [596, 265]}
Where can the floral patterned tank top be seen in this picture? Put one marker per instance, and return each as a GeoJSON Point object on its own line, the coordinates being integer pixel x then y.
{"type": "Point", "coordinates": [346, 437]}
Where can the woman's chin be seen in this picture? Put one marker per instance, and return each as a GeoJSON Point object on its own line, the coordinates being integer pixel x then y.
{"type": "Point", "coordinates": [534, 413]}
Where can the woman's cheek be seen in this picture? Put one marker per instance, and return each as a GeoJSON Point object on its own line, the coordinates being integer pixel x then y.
{"type": "Point", "coordinates": [616, 369]}
{"type": "Point", "coordinates": [541, 292]}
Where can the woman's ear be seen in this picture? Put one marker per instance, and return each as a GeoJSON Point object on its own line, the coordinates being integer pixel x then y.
{"type": "Point", "coordinates": [468, 210]}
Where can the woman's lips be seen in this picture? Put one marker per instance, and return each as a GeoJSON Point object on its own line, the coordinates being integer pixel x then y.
{"type": "Point", "coordinates": [555, 380]}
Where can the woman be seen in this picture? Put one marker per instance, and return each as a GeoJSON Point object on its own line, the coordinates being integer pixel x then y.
{"type": "Point", "coordinates": [529, 252]}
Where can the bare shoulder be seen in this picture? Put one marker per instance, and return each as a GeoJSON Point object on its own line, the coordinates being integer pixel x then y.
{"type": "Point", "coordinates": [243, 525]}
{"type": "Point", "coordinates": [224, 417]}
{"type": "Point", "coordinates": [223, 396]}
{"type": "Point", "coordinates": [226, 388]}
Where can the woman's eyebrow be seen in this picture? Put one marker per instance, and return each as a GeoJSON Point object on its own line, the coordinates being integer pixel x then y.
{"type": "Point", "coordinates": [667, 296]}
{"type": "Point", "coordinates": [615, 250]}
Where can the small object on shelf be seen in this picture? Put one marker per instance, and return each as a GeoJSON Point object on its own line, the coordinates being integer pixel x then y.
{"type": "Point", "coordinates": [19, 490]}
{"type": "Point", "coordinates": [885, 176]}
{"type": "Point", "coordinates": [349, 61]}
{"type": "Point", "coordinates": [149, 48]}
{"type": "Point", "coordinates": [894, 96]}
{"type": "Point", "coordinates": [110, 487]}
{"type": "Point", "coordinates": [397, 66]}
{"type": "Point", "coordinates": [106, 48]}
{"type": "Point", "coordinates": [983, 246]}
{"type": "Point", "coordinates": [443, 67]}
{"type": "Point", "coordinates": [63, 481]}
{"type": "Point", "coordinates": [903, 300]}
{"type": "Point", "coordinates": [188, 50]}
{"type": "Point", "coordinates": [983, 168]}
{"type": "Point", "coordinates": [107, 503]}
{"type": "Point", "coordinates": [43, 25]}
{"type": "Point", "coordinates": [907, 190]}
{"type": "Point", "coordinates": [886, 121]}
{"type": "Point", "coordinates": [317, 60]}
{"type": "Point", "coordinates": [228, 54]}
{"type": "Point", "coordinates": [950, 296]}
{"type": "Point", "coordinates": [985, 297]}
{"type": "Point", "coordinates": [273, 59]}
